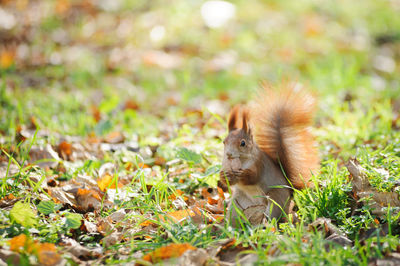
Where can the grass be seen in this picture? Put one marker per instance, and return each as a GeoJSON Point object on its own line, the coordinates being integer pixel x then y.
{"type": "Point", "coordinates": [179, 113]}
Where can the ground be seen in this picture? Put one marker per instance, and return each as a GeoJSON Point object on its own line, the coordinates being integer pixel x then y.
{"type": "Point", "coordinates": [113, 114]}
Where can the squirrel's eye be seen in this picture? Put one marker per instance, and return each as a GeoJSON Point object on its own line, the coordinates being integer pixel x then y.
{"type": "Point", "coordinates": [242, 143]}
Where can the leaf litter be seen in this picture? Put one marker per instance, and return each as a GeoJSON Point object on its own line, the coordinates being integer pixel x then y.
{"type": "Point", "coordinates": [92, 189]}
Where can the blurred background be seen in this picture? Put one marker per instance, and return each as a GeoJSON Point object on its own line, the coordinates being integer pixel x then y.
{"type": "Point", "coordinates": [60, 59]}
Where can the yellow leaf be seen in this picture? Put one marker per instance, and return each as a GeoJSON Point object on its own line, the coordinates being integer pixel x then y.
{"type": "Point", "coordinates": [174, 216]}
{"type": "Point", "coordinates": [45, 252]}
{"type": "Point", "coordinates": [6, 59]}
{"type": "Point", "coordinates": [170, 251]}
{"type": "Point", "coordinates": [22, 243]}
{"type": "Point", "coordinates": [107, 181]}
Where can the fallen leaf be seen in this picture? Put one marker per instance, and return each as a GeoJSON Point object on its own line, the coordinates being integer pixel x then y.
{"type": "Point", "coordinates": [330, 232]}
{"type": "Point", "coordinates": [96, 113]}
{"type": "Point", "coordinates": [107, 181]}
{"type": "Point", "coordinates": [43, 157]}
{"type": "Point", "coordinates": [193, 258]}
{"type": "Point", "coordinates": [177, 193]}
{"type": "Point", "coordinates": [362, 188]}
{"type": "Point", "coordinates": [389, 260]}
{"type": "Point", "coordinates": [162, 59]}
{"type": "Point", "coordinates": [174, 216]}
{"type": "Point", "coordinates": [112, 239]}
{"type": "Point", "coordinates": [60, 196]}
{"type": "Point", "coordinates": [64, 150]}
{"type": "Point", "coordinates": [323, 225]}
{"type": "Point", "coordinates": [22, 213]}
{"type": "Point", "coordinates": [46, 207]}
{"type": "Point", "coordinates": [114, 137]}
{"type": "Point", "coordinates": [339, 239]}
{"type": "Point", "coordinates": [33, 123]}
{"type": "Point", "coordinates": [21, 243]}
{"type": "Point", "coordinates": [143, 165]}
{"type": "Point", "coordinates": [73, 220]}
{"type": "Point", "coordinates": [166, 252]}
{"type": "Point", "coordinates": [76, 249]}
{"type": "Point", "coordinates": [89, 227]}
{"type": "Point", "coordinates": [228, 251]}
{"type": "Point", "coordinates": [47, 254]}
{"type": "Point", "coordinates": [104, 226]}
{"type": "Point", "coordinates": [118, 215]}
{"type": "Point", "coordinates": [88, 199]}
{"type": "Point", "coordinates": [160, 161]}
{"type": "Point", "coordinates": [6, 59]}
{"type": "Point", "coordinates": [131, 105]}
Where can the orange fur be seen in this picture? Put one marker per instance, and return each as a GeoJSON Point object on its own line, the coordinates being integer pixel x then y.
{"type": "Point", "coordinates": [281, 119]}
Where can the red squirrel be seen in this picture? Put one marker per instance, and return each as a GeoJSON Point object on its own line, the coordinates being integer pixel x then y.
{"type": "Point", "coordinates": [269, 150]}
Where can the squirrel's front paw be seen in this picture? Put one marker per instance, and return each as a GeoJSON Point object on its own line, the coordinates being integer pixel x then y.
{"type": "Point", "coordinates": [246, 176]}
{"type": "Point", "coordinates": [228, 175]}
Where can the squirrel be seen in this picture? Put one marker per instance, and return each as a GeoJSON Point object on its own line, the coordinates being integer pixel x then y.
{"type": "Point", "coordinates": [269, 151]}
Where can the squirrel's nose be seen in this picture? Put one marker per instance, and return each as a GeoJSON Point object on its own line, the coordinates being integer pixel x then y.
{"type": "Point", "coordinates": [229, 155]}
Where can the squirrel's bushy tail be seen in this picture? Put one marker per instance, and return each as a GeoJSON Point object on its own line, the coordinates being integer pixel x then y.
{"type": "Point", "coordinates": [282, 119]}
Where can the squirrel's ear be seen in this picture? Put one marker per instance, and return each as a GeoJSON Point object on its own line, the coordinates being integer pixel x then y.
{"type": "Point", "coordinates": [233, 117]}
{"type": "Point", "coordinates": [245, 122]}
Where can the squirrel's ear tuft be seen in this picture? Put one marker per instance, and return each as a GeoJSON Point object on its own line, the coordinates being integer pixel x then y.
{"type": "Point", "coordinates": [233, 118]}
{"type": "Point", "coordinates": [245, 121]}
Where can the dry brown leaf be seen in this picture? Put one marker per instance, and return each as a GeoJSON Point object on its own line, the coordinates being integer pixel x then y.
{"type": "Point", "coordinates": [60, 196]}
{"type": "Point", "coordinates": [160, 161]}
{"type": "Point", "coordinates": [104, 226]}
{"type": "Point", "coordinates": [8, 200]}
{"type": "Point", "coordinates": [197, 257]}
{"type": "Point", "coordinates": [47, 254]}
{"type": "Point", "coordinates": [44, 157]}
{"type": "Point", "coordinates": [76, 249]}
{"type": "Point", "coordinates": [392, 259]}
{"type": "Point", "coordinates": [114, 137]}
{"type": "Point", "coordinates": [339, 239]}
{"type": "Point", "coordinates": [131, 105]}
{"type": "Point", "coordinates": [118, 216]}
{"type": "Point", "coordinates": [162, 59]}
{"type": "Point", "coordinates": [88, 199]}
{"type": "Point", "coordinates": [112, 239]}
{"type": "Point", "coordinates": [33, 125]}
{"type": "Point", "coordinates": [325, 226]}
{"type": "Point", "coordinates": [230, 252]}
{"type": "Point", "coordinates": [362, 188]}
{"type": "Point", "coordinates": [89, 227]}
